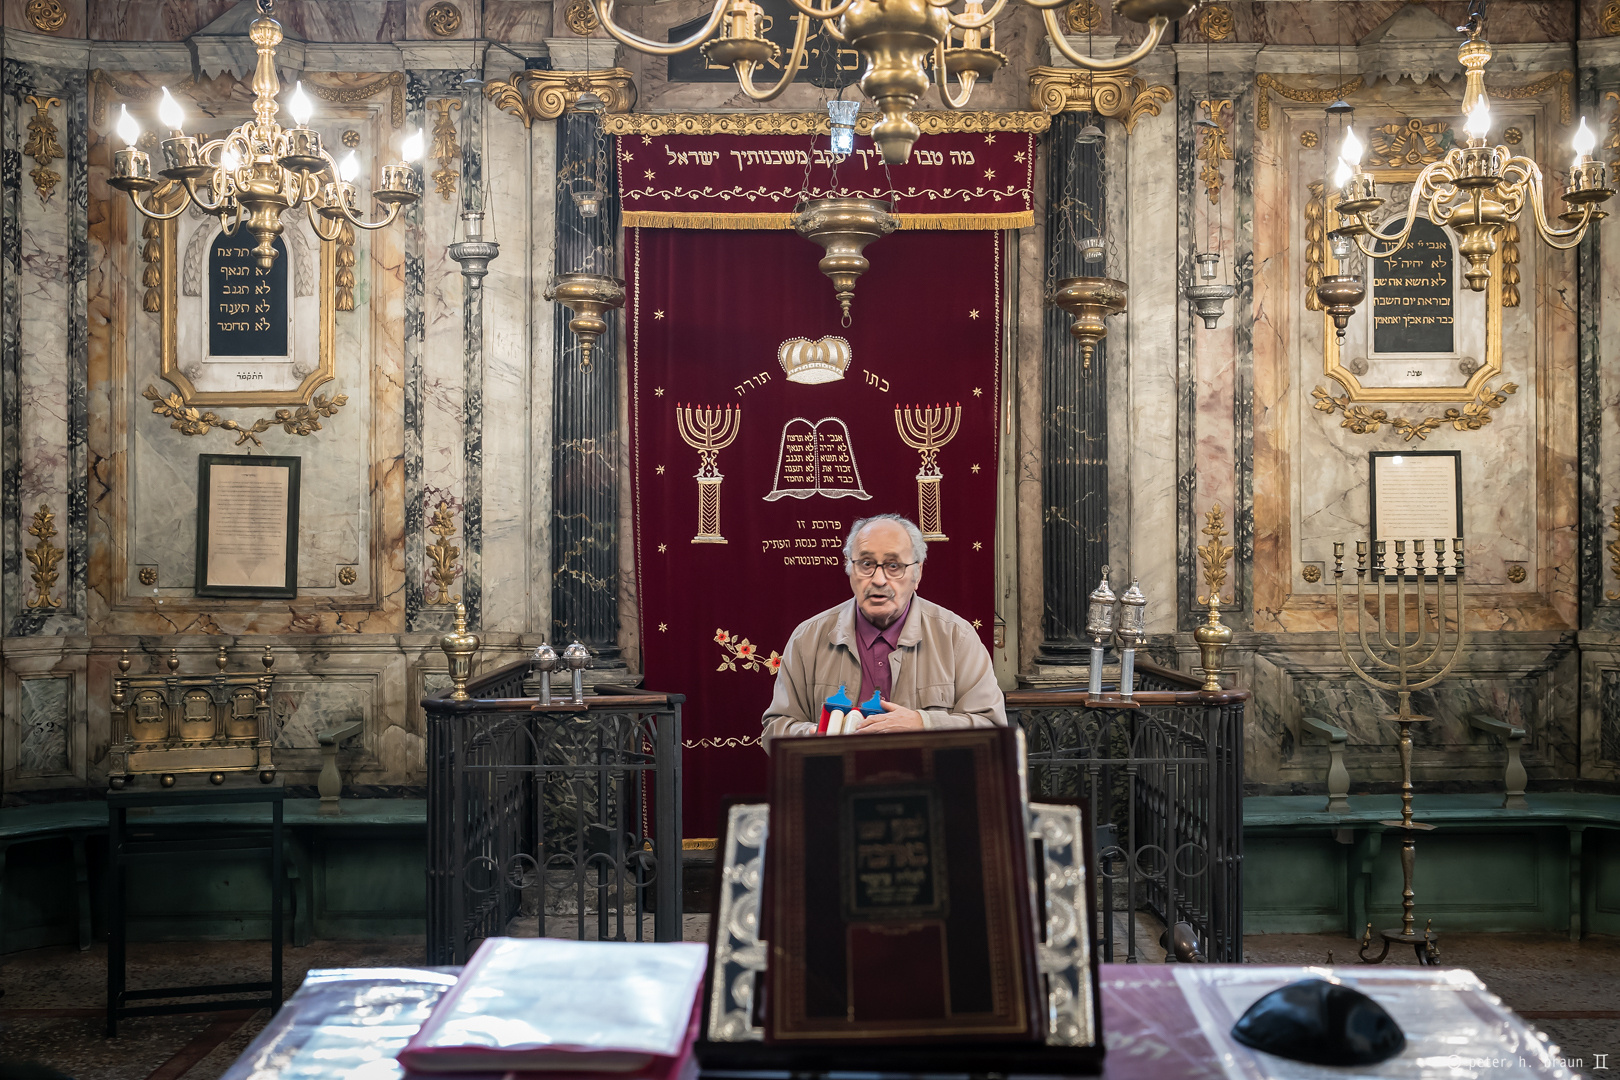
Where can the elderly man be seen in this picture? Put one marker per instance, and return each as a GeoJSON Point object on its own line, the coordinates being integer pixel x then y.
{"type": "Point", "coordinates": [927, 662]}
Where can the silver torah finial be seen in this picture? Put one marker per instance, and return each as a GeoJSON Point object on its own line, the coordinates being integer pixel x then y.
{"type": "Point", "coordinates": [578, 658]}
{"type": "Point", "coordinates": [545, 661]}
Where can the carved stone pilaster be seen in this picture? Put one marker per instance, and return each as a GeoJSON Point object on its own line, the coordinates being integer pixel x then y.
{"type": "Point", "coordinates": [1118, 95]}
{"type": "Point", "coordinates": [546, 95]}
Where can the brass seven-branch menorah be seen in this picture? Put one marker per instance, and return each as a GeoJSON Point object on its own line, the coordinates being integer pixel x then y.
{"type": "Point", "coordinates": [1402, 660]}
{"type": "Point", "coordinates": [926, 430]}
{"type": "Point", "coordinates": [708, 431]}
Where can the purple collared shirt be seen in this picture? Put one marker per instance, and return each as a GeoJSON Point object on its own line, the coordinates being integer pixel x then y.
{"type": "Point", "coordinates": [874, 648]}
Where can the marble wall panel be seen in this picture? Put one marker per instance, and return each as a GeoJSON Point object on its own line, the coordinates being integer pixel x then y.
{"type": "Point", "coordinates": [1521, 678]}
{"type": "Point", "coordinates": [43, 341]}
{"type": "Point", "coordinates": [1519, 496]}
{"type": "Point", "coordinates": [517, 21]}
{"type": "Point", "coordinates": [1144, 471]}
{"type": "Point", "coordinates": [43, 721]}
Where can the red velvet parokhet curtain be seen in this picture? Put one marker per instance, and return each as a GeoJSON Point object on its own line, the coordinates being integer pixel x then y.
{"type": "Point", "coordinates": [761, 429]}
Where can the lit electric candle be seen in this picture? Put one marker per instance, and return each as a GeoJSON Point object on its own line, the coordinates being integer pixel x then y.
{"type": "Point", "coordinates": [401, 183]}
{"type": "Point", "coordinates": [132, 168]}
{"type": "Point", "coordinates": [1588, 177]}
{"type": "Point", "coordinates": [180, 158]}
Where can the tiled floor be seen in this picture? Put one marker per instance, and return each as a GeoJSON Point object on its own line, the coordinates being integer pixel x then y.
{"type": "Point", "coordinates": [52, 1011]}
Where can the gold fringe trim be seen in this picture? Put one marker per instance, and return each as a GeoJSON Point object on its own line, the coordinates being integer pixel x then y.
{"type": "Point", "coordinates": [646, 219]}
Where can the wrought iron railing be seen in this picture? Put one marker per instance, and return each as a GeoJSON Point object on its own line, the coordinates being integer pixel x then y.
{"type": "Point", "coordinates": [1162, 781]}
{"type": "Point", "coordinates": [557, 820]}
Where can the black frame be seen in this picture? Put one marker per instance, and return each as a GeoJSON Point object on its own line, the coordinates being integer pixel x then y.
{"type": "Point", "coordinates": [289, 586]}
{"type": "Point", "coordinates": [1372, 489]}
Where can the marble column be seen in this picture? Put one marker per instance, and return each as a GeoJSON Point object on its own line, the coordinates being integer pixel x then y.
{"type": "Point", "coordinates": [585, 440]}
{"type": "Point", "coordinates": [1074, 480]}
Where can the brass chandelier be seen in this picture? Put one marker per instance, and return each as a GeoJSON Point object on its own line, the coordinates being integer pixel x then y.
{"type": "Point", "coordinates": [896, 38]}
{"type": "Point", "coordinates": [1475, 190]}
{"type": "Point", "coordinates": [260, 169]}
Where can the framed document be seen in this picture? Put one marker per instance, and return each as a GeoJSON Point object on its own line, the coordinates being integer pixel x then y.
{"type": "Point", "coordinates": [247, 525]}
{"type": "Point", "coordinates": [1415, 494]}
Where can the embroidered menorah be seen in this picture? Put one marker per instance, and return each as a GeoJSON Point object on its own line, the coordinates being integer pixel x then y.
{"type": "Point", "coordinates": [1403, 662]}
{"type": "Point", "coordinates": [708, 431]}
{"type": "Point", "coordinates": [926, 430]}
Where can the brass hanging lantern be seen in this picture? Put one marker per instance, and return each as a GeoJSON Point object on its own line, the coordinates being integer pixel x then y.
{"type": "Point", "coordinates": [1089, 300]}
{"type": "Point", "coordinates": [844, 227]}
{"type": "Point", "coordinates": [589, 297]}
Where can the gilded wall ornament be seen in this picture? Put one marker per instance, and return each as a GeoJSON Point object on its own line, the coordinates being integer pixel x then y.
{"type": "Point", "coordinates": [937, 122]}
{"type": "Point", "coordinates": [580, 15]}
{"type": "Point", "coordinates": [1082, 16]}
{"type": "Point", "coordinates": [44, 556]}
{"type": "Point", "coordinates": [152, 271]}
{"type": "Point", "coordinates": [1315, 236]}
{"type": "Point", "coordinates": [42, 145]}
{"type": "Point", "coordinates": [1516, 574]}
{"type": "Point", "coordinates": [445, 148]}
{"type": "Point", "coordinates": [1214, 555]}
{"type": "Point", "coordinates": [1303, 95]}
{"type": "Point", "coordinates": [1311, 573]}
{"type": "Point", "coordinates": [148, 576]}
{"type": "Point", "coordinates": [1215, 22]}
{"type": "Point", "coordinates": [1609, 17]}
{"type": "Point", "coordinates": [393, 82]}
{"type": "Point", "coordinates": [442, 19]}
{"type": "Point", "coordinates": [1510, 265]}
{"type": "Point", "coordinates": [1614, 553]}
{"type": "Point", "coordinates": [1513, 136]}
{"type": "Point", "coordinates": [1361, 420]}
{"type": "Point", "coordinates": [347, 575]}
{"type": "Point", "coordinates": [46, 16]}
{"type": "Point", "coordinates": [1214, 146]}
{"type": "Point", "coordinates": [188, 420]}
{"type": "Point", "coordinates": [1309, 139]}
{"type": "Point", "coordinates": [546, 95]}
{"type": "Point", "coordinates": [343, 279]}
{"type": "Point", "coordinates": [1411, 144]}
{"type": "Point", "coordinates": [443, 553]}
{"type": "Point", "coordinates": [351, 138]}
{"type": "Point", "coordinates": [1118, 95]}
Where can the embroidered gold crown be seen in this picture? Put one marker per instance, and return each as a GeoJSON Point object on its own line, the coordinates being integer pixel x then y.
{"type": "Point", "coordinates": [812, 362]}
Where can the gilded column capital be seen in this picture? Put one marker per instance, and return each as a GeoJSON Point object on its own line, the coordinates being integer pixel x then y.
{"type": "Point", "coordinates": [546, 95]}
{"type": "Point", "coordinates": [1119, 95]}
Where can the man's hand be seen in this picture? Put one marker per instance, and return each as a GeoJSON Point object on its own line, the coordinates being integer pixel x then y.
{"type": "Point", "coordinates": [894, 718]}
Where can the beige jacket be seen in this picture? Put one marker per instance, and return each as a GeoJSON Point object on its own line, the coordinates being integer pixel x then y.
{"type": "Point", "coordinates": [940, 668]}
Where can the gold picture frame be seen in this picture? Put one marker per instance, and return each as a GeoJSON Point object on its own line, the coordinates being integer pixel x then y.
{"type": "Point", "coordinates": [325, 370]}
{"type": "Point", "coordinates": [1489, 369]}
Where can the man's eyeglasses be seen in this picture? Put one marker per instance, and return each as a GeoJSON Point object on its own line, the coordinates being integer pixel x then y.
{"type": "Point", "coordinates": [868, 567]}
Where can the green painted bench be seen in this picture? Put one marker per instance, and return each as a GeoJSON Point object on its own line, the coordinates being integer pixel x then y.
{"type": "Point", "coordinates": [1484, 867]}
{"type": "Point", "coordinates": [374, 847]}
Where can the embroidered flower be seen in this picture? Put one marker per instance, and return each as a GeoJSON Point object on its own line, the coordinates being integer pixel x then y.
{"type": "Point", "coordinates": [721, 637]}
{"type": "Point", "coordinates": [774, 664]}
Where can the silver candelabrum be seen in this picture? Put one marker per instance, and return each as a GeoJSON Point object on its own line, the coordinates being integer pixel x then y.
{"type": "Point", "coordinates": [1397, 663]}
